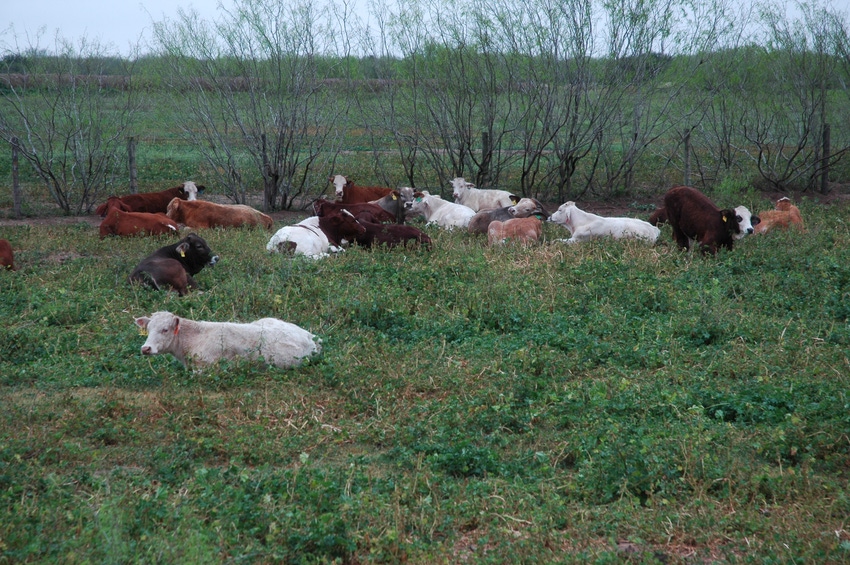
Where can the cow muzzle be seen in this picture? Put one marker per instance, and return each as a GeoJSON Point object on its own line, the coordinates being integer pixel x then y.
{"type": "Point", "coordinates": [213, 260]}
{"type": "Point", "coordinates": [146, 350]}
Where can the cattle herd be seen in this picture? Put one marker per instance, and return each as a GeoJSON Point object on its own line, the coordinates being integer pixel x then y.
{"type": "Point", "coordinates": [370, 217]}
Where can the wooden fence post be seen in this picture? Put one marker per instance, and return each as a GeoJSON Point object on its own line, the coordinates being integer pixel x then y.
{"type": "Point", "coordinates": [485, 155]}
{"type": "Point", "coordinates": [824, 179]}
{"type": "Point", "coordinates": [131, 157]}
{"type": "Point", "coordinates": [687, 159]}
{"type": "Point", "coordinates": [16, 181]}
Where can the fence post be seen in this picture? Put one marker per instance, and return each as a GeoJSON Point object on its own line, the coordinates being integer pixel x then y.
{"type": "Point", "coordinates": [485, 155]}
{"type": "Point", "coordinates": [824, 179]}
{"type": "Point", "coordinates": [16, 181]}
{"type": "Point", "coordinates": [131, 157]}
{"type": "Point", "coordinates": [687, 159]}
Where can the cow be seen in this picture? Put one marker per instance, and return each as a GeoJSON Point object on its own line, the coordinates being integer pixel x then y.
{"type": "Point", "coordinates": [480, 199]}
{"type": "Point", "coordinates": [694, 217]}
{"type": "Point", "coordinates": [395, 200]}
{"type": "Point", "coordinates": [522, 230]}
{"type": "Point", "coordinates": [7, 256]}
{"type": "Point", "coordinates": [349, 193]}
{"type": "Point", "coordinates": [391, 235]}
{"type": "Point", "coordinates": [125, 224]}
{"type": "Point", "coordinates": [200, 214]}
{"type": "Point", "coordinates": [200, 344]}
{"type": "Point", "coordinates": [435, 210]}
{"type": "Point", "coordinates": [173, 266]}
{"type": "Point", "coordinates": [523, 209]}
{"type": "Point", "coordinates": [584, 226]}
{"type": "Point", "coordinates": [361, 210]}
{"type": "Point", "coordinates": [785, 215]}
{"type": "Point", "coordinates": [316, 236]}
{"type": "Point", "coordinates": [658, 217]}
{"type": "Point", "coordinates": [153, 202]}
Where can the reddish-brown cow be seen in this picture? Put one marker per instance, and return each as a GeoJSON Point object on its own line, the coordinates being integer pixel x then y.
{"type": "Point", "coordinates": [7, 257]}
{"type": "Point", "coordinates": [348, 193]}
{"type": "Point", "coordinates": [784, 216]}
{"type": "Point", "coordinates": [362, 211]}
{"type": "Point", "coordinates": [126, 224]}
{"type": "Point", "coordinates": [152, 202]}
{"type": "Point", "coordinates": [391, 235]}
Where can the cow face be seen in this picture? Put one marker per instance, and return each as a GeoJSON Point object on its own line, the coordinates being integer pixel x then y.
{"type": "Point", "coordinates": [459, 187]}
{"type": "Point", "coordinates": [161, 330]}
{"type": "Point", "coordinates": [527, 207]}
{"type": "Point", "coordinates": [195, 254]}
{"type": "Point", "coordinates": [745, 221]}
{"type": "Point", "coordinates": [192, 190]}
{"type": "Point", "coordinates": [562, 216]}
{"type": "Point", "coordinates": [339, 182]}
{"type": "Point", "coordinates": [417, 207]}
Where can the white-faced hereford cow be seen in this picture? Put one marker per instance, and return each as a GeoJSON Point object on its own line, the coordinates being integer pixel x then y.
{"type": "Point", "coordinates": [200, 343]}
{"type": "Point", "coordinates": [317, 236]}
{"type": "Point", "coordinates": [435, 210]}
{"type": "Point", "coordinates": [584, 226]}
{"type": "Point", "coordinates": [694, 217]}
{"type": "Point", "coordinates": [349, 193]}
{"type": "Point", "coordinates": [152, 202]}
{"type": "Point", "coordinates": [479, 198]}
{"type": "Point", "coordinates": [173, 266]}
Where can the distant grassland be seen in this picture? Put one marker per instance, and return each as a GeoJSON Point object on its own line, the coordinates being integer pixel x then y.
{"type": "Point", "coordinates": [472, 404]}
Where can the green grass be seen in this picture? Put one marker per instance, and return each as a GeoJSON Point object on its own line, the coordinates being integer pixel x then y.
{"type": "Point", "coordinates": [551, 404]}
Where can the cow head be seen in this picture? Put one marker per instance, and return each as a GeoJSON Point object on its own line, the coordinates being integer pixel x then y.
{"type": "Point", "coordinates": [460, 187]}
{"type": "Point", "coordinates": [195, 253]}
{"type": "Point", "coordinates": [563, 215]}
{"type": "Point", "coordinates": [339, 182]}
{"type": "Point", "coordinates": [161, 329]}
{"type": "Point", "coordinates": [744, 221]}
{"type": "Point", "coordinates": [419, 206]}
{"type": "Point", "coordinates": [192, 190]}
{"type": "Point", "coordinates": [527, 207]}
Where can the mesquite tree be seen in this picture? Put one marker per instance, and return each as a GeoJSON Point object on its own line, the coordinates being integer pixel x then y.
{"type": "Point", "coordinates": [69, 119]}
{"type": "Point", "coordinates": [256, 104]}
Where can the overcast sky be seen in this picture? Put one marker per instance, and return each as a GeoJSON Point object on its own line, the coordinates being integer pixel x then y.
{"type": "Point", "coordinates": [121, 23]}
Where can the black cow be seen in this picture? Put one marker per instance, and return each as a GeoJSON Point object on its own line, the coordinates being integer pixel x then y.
{"type": "Point", "coordinates": [173, 265]}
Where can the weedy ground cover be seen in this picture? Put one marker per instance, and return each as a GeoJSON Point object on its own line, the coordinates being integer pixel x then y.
{"type": "Point", "coordinates": [472, 404]}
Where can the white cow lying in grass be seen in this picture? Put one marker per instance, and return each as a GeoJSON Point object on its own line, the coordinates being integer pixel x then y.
{"type": "Point", "coordinates": [479, 198]}
{"type": "Point", "coordinates": [304, 238]}
{"type": "Point", "coordinates": [435, 210]}
{"type": "Point", "coordinates": [584, 226]}
{"type": "Point", "coordinates": [204, 343]}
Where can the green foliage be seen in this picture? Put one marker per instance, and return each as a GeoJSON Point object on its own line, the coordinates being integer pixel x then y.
{"type": "Point", "coordinates": [503, 404]}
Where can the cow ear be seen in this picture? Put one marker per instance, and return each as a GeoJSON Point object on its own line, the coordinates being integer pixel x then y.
{"type": "Point", "coordinates": [142, 323]}
{"type": "Point", "coordinates": [755, 220]}
{"type": "Point", "coordinates": [182, 248]}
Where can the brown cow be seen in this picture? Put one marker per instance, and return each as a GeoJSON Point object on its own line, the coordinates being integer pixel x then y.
{"type": "Point", "coordinates": [362, 211]}
{"type": "Point", "coordinates": [7, 257]}
{"type": "Point", "coordinates": [522, 230]}
{"type": "Point", "coordinates": [347, 193]}
{"type": "Point", "coordinates": [152, 202]}
{"type": "Point", "coordinates": [172, 266]}
{"type": "Point", "coordinates": [391, 235]}
{"type": "Point", "coordinates": [126, 224]}
{"type": "Point", "coordinates": [198, 214]}
{"type": "Point", "coordinates": [785, 215]}
{"type": "Point", "coordinates": [694, 217]}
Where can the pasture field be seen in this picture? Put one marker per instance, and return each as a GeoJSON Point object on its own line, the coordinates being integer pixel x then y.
{"type": "Point", "coordinates": [606, 402]}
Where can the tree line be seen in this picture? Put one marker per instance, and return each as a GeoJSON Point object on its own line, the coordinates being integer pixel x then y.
{"type": "Point", "coordinates": [555, 99]}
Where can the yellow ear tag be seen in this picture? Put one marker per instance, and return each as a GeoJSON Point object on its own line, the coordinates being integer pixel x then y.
{"type": "Point", "coordinates": [395, 197]}
{"type": "Point", "coordinates": [143, 331]}
{"type": "Point", "coordinates": [513, 201]}
{"type": "Point", "coordinates": [183, 253]}
{"type": "Point", "coordinates": [724, 219]}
